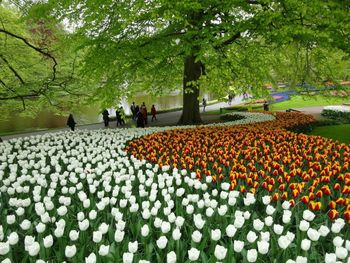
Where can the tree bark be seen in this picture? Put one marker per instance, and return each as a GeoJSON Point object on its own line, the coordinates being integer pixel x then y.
{"type": "Point", "coordinates": [192, 72]}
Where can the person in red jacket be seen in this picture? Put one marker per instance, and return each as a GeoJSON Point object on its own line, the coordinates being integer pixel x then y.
{"type": "Point", "coordinates": [154, 112]}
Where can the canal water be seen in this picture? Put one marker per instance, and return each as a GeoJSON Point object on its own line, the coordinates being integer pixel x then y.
{"type": "Point", "coordinates": [91, 114]}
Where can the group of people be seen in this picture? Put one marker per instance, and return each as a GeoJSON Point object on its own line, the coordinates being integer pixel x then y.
{"type": "Point", "coordinates": [140, 114]}
{"type": "Point", "coordinates": [119, 114]}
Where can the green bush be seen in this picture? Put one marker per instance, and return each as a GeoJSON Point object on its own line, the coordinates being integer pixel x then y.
{"type": "Point", "coordinates": [231, 117]}
{"type": "Point", "coordinates": [341, 116]}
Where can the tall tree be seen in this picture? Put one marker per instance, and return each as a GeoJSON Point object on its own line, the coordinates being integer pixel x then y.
{"type": "Point", "coordinates": [155, 45]}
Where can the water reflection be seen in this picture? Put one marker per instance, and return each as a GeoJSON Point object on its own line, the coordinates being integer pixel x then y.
{"type": "Point", "coordinates": [90, 114]}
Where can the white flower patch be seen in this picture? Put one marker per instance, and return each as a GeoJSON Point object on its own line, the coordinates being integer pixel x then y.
{"type": "Point", "coordinates": [67, 190]}
{"type": "Point", "coordinates": [339, 108]}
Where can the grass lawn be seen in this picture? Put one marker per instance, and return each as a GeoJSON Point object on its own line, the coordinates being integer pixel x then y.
{"type": "Point", "coordinates": [298, 101]}
{"type": "Point", "coordinates": [336, 132]}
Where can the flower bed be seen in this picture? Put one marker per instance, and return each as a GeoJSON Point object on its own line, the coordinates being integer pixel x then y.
{"type": "Point", "coordinates": [79, 197]}
{"type": "Point", "coordinates": [338, 112]}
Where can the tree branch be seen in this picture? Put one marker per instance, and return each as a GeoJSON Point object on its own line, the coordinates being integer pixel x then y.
{"type": "Point", "coordinates": [12, 69]}
{"type": "Point", "coordinates": [229, 41]}
{"type": "Point", "coordinates": [41, 51]}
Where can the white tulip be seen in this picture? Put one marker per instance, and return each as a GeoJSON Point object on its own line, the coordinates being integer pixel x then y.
{"type": "Point", "coordinates": [231, 230]}
{"type": "Point", "coordinates": [283, 242]}
{"type": "Point", "coordinates": [193, 254]}
{"type": "Point", "coordinates": [158, 222]}
{"type": "Point", "coordinates": [220, 252]}
{"type": "Point", "coordinates": [265, 236]}
{"type": "Point", "coordinates": [171, 257]}
{"type": "Point", "coordinates": [286, 205]}
{"type": "Point", "coordinates": [34, 249]}
{"type": "Point", "coordinates": [119, 235]}
{"type": "Point", "coordinates": [97, 236]}
{"type": "Point", "coordinates": [10, 219]}
{"type": "Point", "coordinates": [48, 241]}
{"type": "Point", "coordinates": [324, 231]}
{"type": "Point", "coordinates": [215, 234]}
{"type": "Point", "coordinates": [258, 224]}
{"type": "Point", "coordinates": [84, 225]}
{"type": "Point", "coordinates": [330, 258]}
{"type": "Point", "coordinates": [179, 221]}
{"type": "Point", "coordinates": [238, 245]}
{"type": "Point", "coordinates": [304, 225]}
{"type": "Point", "coordinates": [196, 236]}
{"type": "Point", "coordinates": [103, 251]}
{"type": "Point", "coordinates": [251, 237]}
{"type": "Point", "coordinates": [301, 259]}
{"type": "Point", "coordinates": [91, 258]}
{"type": "Point", "coordinates": [70, 251]}
{"type": "Point", "coordinates": [278, 229]}
{"type": "Point", "coordinates": [270, 210]}
{"type": "Point", "coordinates": [239, 221]}
{"type": "Point", "coordinates": [4, 248]}
{"type": "Point", "coordinates": [252, 255]}
{"type": "Point", "coordinates": [128, 257]}
{"type": "Point", "coordinates": [266, 199]}
{"type": "Point", "coordinates": [92, 215]}
{"type": "Point", "coordinates": [338, 241]}
{"type": "Point", "coordinates": [313, 234]}
{"type": "Point", "coordinates": [162, 242]}
{"type": "Point", "coordinates": [176, 234]}
{"type": "Point", "coordinates": [144, 230]}
{"type": "Point", "coordinates": [305, 244]}
{"type": "Point", "coordinates": [209, 212]}
{"type": "Point", "coordinates": [40, 228]}
{"type": "Point", "coordinates": [268, 221]}
{"type": "Point", "coordinates": [133, 246]}
{"type": "Point", "coordinates": [308, 215]}
{"type": "Point", "coordinates": [13, 238]}
{"type": "Point", "coordinates": [74, 235]}
{"type": "Point", "coordinates": [25, 225]}
{"type": "Point", "coordinates": [165, 227]}
{"type": "Point", "coordinates": [341, 252]}
{"type": "Point", "coordinates": [263, 247]}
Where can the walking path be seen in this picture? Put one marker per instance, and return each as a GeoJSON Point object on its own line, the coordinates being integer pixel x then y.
{"type": "Point", "coordinates": [163, 119]}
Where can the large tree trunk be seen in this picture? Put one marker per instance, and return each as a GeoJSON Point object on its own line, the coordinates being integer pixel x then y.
{"type": "Point", "coordinates": [192, 72]}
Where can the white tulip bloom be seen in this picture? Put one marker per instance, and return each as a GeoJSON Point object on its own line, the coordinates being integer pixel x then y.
{"type": "Point", "coordinates": [341, 252]}
{"type": "Point", "coordinates": [128, 257]}
{"type": "Point", "coordinates": [10, 219]}
{"type": "Point", "coordinates": [48, 241]}
{"type": "Point", "coordinates": [215, 234]}
{"type": "Point", "coordinates": [209, 212]}
{"type": "Point", "coordinates": [285, 205]}
{"type": "Point", "coordinates": [252, 255]}
{"type": "Point", "coordinates": [73, 235]}
{"type": "Point", "coordinates": [196, 236]}
{"type": "Point", "coordinates": [70, 251]}
{"type": "Point", "coordinates": [158, 222]}
{"type": "Point", "coordinates": [104, 250]}
{"type": "Point", "coordinates": [231, 230]}
{"type": "Point", "coordinates": [338, 241]}
{"type": "Point", "coordinates": [176, 235]}
{"type": "Point", "coordinates": [97, 236]}
{"type": "Point", "coordinates": [308, 215]}
{"type": "Point", "coordinates": [40, 228]}
{"type": "Point", "coordinates": [239, 221]}
{"type": "Point", "coordinates": [91, 258]}
{"type": "Point", "coordinates": [270, 210]}
{"type": "Point", "coordinates": [92, 215]}
{"type": "Point", "coordinates": [330, 258]}
{"type": "Point", "coordinates": [265, 236]}
{"type": "Point", "coordinates": [258, 224]}
{"type": "Point", "coordinates": [301, 259]}
{"type": "Point", "coordinates": [179, 221]}
{"type": "Point", "coordinates": [13, 238]}
{"type": "Point", "coordinates": [304, 225]}
{"type": "Point", "coordinates": [84, 225]}
{"type": "Point", "coordinates": [162, 242]}
{"type": "Point", "coordinates": [283, 242]}
{"type": "Point", "coordinates": [133, 246]}
{"type": "Point", "coordinates": [238, 245]}
{"type": "Point", "coordinates": [323, 230]}
{"type": "Point", "coordinates": [305, 244]}
{"type": "Point", "coordinates": [313, 234]}
{"type": "Point", "coordinates": [268, 221]}
{"type": "Point", "coordinates": [4, 248]}
{"type": "Point", "coordinates": [220, 252]}
{"type": "Point", "coordinates": [165, 227]}
{"type": "Point", "coordinates": [251, 237]}
{"type": "Point", "coordinates": [193, 254]}
{"type": "Point", "coordinates": [171, 257]}
{"type": "Point", "coordinates": [222, 210]}
{"type": "Point", "coordinates": [33, 249]}
{"type": "Point", "coordinates": [103, 228]}
{"type": "Point", "coordinates": [266, 199]}
{"type": "Point", "coordinates": [278, 229]}
{"type": "Point", "coordinates": [144, 230]}
{"type": "Point", "coordinates": [25, 225]}
{"type": "Point", "coordinates": [263, 247]}
{"type": "Point", "coordinates": [62, 211]}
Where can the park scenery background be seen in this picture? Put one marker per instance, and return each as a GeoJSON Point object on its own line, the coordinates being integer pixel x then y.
{"type": "Point", "coordinates": [247, 160]}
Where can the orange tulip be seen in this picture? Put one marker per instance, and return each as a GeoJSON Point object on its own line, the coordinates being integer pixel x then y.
{"type": "Point", "coordinates": [332, 214]}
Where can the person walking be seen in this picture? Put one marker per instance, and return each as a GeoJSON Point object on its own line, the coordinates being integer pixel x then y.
{"type": "Point", "coordinates": [143, 110]}
{"type": "Point", "coordinates": [105, 115]}
{"type": "Point", "coordinates": [154, 112]}
{"type": "Point", "coordinates": [118, 117]}
{"type": "Point", "coordinates": [133, 111]}
{"type": "Point", "coordinates": [204, 103]}
{"type": "Point", "coordinates": [140, 120]}
{"type": "Point", "coordinates": [71, 122]}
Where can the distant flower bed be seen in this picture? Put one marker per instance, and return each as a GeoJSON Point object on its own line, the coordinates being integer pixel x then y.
{"type": "Point", "coordinates": [236, 118]}
{"type": "Point", "coordinates": [337, 112]}
{"type": "Point", "coordinates": [229, 192]}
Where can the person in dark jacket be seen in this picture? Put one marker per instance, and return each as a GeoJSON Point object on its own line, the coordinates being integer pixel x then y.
{"type": "Point", "coordinates": [133, 111]}
{"type": "Point", "coordinates": [119, 117]}
{"type": "Point", "coordinates": [154, 112]}
{"type": "Point", "coordinates": [70, 122]}
{"type": "Point", "coordinates": [140, 121]}
{"type": "Point", "coordinates": [105, 115]}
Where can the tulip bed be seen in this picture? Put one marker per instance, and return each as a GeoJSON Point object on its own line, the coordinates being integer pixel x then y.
{"type": "Point", "coordinates": [252, 192]}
